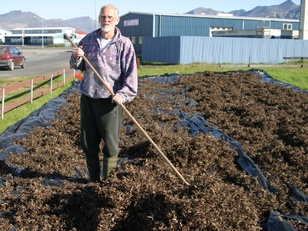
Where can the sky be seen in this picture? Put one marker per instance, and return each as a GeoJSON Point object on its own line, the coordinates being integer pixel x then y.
{"type": "Point", "coordinates": [67, 9]}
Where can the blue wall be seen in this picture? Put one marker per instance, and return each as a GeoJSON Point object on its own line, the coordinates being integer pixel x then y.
{"type": "Point", "coordinates": [162, 49]}
{"type": "Point", "coordinates": [197, 49]}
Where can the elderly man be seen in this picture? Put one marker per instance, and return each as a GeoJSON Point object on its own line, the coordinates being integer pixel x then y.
{"type": "Point", "coordinates": [113, 57]}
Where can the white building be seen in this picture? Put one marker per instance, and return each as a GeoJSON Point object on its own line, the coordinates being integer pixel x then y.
{"type": "Point", "coordinates": [43, 36]}
{"type": "Point", "coordinates": [261, 33]}
{"type": "Point", "coordinates": [4, 33]}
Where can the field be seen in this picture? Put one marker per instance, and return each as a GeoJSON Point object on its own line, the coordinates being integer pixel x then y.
{"type": "Point", "coordinates": [240, 142]}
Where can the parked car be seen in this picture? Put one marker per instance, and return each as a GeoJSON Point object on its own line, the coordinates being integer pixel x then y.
{"type": "Point", "coordinates": [10, 57]}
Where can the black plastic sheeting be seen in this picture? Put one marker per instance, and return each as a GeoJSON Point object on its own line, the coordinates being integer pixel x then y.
{"type": "Point", "coordinates": [41, 117]}
{"type": "Point", "coordinates": [195, 123]}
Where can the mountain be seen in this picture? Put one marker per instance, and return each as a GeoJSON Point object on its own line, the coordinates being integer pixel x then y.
{"type": "Point", "coordinates": [19, 19]}
{"type": "Point", "coordinates": [287, 9]}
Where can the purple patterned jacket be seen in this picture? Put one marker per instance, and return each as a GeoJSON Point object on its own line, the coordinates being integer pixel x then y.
{"type": "Point", "coordinates": [116, 64]}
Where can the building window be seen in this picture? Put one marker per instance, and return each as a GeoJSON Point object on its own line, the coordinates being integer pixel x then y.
{"type": "Point", "coordinates": [131, 22]}
{"type": "Point", "coordinates": [134, 40]}
{"type": "Point", "coordinates": [16, 31]}
{"type": "Point", "coordinates": [287, 26]}
{"type": "Point", "coordinates": [140, 40]}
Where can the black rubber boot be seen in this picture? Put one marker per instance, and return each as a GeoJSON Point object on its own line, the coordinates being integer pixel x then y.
{"type": "Point", "coordinates": [108, 164]}
{"type": "Point", "coordinates": [94, 168]}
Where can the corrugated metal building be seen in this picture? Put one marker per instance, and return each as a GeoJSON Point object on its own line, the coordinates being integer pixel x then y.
{"type": "Point", "coordinates": [186, 38]}
{"type": "Point", "coordinates": [140, 25]}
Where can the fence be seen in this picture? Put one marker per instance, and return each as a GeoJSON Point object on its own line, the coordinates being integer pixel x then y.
{"type": "Point", "coordinates": [297, 58]}
{"type": "Point", "coordinates": [32, 91]}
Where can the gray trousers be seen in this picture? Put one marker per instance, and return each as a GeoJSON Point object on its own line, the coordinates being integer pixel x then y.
{"type": "Point", "coordinates": [100, 119]}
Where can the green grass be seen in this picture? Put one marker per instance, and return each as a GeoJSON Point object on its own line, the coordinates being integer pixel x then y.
{"type": "Point", "coordinates": [295, 76]}
{"type": "Point", "coordinates": [292, 74]}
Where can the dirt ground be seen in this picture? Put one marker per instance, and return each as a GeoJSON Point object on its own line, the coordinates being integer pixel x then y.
{"type": "Point", "coordinates": [46, 187]}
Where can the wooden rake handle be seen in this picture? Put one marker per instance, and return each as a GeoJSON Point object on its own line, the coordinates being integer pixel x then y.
{"type": "Point", "coordinates": [129, 114]}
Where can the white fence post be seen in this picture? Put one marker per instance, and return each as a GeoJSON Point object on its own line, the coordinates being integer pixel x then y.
{"type": "Point", "coordinates": [31, 91]}
{"type": "Point", "coordinates": [2, 111]}
{"type": "Point", "coordinates": [64, 80]}
{"type": "Point", "coordinates": [51, 83]}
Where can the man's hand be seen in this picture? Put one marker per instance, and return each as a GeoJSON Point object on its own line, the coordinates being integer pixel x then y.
{"type": "Point", "coordinates": [118, 99]}
{"type": "Point", "coordinates": [78, 52]}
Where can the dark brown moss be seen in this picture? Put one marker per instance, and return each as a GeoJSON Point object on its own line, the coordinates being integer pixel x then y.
{"type": "Point", "coordinates": [144, 193]}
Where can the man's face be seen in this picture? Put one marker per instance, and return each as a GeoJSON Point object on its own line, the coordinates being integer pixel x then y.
{"type": "Point", "coordinates": [108, 19]}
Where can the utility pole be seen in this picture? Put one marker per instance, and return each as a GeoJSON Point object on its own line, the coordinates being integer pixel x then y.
{"type": "Point", "coordinates": [303, 22]}
{"type": "Point", "coordinates": [42, 34]}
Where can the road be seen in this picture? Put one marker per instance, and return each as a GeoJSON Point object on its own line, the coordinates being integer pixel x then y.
{"type": "Point", "coordinates": [40, 61]}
